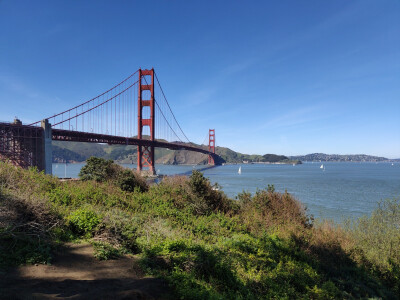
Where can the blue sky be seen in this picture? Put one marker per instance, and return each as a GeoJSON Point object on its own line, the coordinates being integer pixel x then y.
{"type": "Point", "coordinates": [284, 77]}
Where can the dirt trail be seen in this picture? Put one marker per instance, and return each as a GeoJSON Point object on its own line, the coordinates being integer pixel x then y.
{"type": "Point", "coordinates": [76, 274]}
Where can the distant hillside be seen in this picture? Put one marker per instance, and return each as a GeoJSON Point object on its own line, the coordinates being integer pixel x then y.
{"type": "Point", "coordinates": [340, 158]}
{"type": "Point", "coordinates": [61, 154]}
{"type": "Point", "coordinates": [75, 151]}
{"type": "Point", "coordinates": [79, 152]}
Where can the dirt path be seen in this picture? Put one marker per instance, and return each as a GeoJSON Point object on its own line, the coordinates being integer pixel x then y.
{"type": "Point", "coordinates": [76, 274]}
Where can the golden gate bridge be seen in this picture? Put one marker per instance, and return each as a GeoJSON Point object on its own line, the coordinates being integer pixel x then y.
{"type": "Point", "coordinates": [127, 114]}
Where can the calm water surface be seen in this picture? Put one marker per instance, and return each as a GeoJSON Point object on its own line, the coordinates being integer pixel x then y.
{"type": "Point", "coordinates": [340, 191]}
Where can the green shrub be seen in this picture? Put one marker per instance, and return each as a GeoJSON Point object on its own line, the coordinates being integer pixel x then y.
{"type": "Point", "coordinates": [83, 221]}
{"type": "Point", "coordinates": [20, 248]}
{"type": "Point", "coordinates": [268, 210]}
{"type": "Point", "coordinates": [379, 234]}
{"type": "Point", "coordinates": [123, 227]}
{"type": "Point", "coordinates": [207, 198]}
{"type": "Point", "coordinates": [60, 196]}
{"type": "Point", "coordinates": [105, 251]}
{"type": "Point", "coordinates": [199, 184]}
{"type": "Point", "coordinates": [328, 290]}
{"type": "Point", "coordinates": [97, 169]}
{"type": "Point", "coordinates": [101, 170]}
{"type": "Point", "coordinates": [62, 234]}
{"type": "Point", "coordinates": [378, 237]}
{"type": "Point", "coordinates": [127, 180]}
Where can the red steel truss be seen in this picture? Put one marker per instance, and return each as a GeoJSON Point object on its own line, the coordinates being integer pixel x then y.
{"type": "Point", "coordinates": [22, 145]}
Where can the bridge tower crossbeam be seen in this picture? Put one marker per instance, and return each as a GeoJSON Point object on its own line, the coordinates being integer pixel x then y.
{"type": "Point", "coordinates": [146, 153]}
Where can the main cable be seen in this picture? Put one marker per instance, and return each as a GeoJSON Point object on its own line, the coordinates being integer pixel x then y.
{"type": "Point", "coordinates": [163, 113]}
{"type": "Point", "coordinates": [56, 115]}
{"type": "Point", "coordinates": [170, 107]}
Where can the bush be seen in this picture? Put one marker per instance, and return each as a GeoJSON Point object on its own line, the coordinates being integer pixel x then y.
{"type": "Point", "coordinates": [97, 169]}
{"type": "Point", "coordinates": [127, 180]}
{"type": "Point", "coordinates": [101, 170]}
{"type": "Point", "coordinates": [83, 221]}
{"type": "Point", "coordinates": [60, 196]}
{"type": "Point", "coordinates": [25, 227]}
{"type": "Point", "coordinates": [209, 198]}
{"type": "Point", "coordinates": [21, 248]}
{"type": "Point", "coordinates": [105, 251]}
{"type": "Point", "coordinates": [268, 209]}
{"type": "Point", "coordinates": [378, 237]}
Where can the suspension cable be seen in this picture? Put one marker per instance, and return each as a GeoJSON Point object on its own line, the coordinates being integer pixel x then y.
{"type": "Point", "coordinates": [90, 109]}
{"type": "Point", "coordinates": [163, 113]}
{"type": "Point", "coordinates": [170, 107]}
{"type": "Point", "coordinates": [88, 100]}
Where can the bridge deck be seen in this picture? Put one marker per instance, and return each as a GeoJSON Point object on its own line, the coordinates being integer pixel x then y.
{"type": "Point", "coordinates": [77, 136]}
{"type": "Point", "coordinates": [24, 144]}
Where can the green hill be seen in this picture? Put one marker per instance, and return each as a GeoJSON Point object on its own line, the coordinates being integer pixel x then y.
{"type": "Point", "coordinates": [76, 151]}
{"type": "Point", "coordinates": [316, 157]}
{"type": "Point", "coordinates": [79, 152]}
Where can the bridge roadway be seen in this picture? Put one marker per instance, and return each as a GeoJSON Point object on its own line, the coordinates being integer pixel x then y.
{"type": "Point", "coordinates": [27, 145]}
{"type": "Point", "coordinates": [78, 136]}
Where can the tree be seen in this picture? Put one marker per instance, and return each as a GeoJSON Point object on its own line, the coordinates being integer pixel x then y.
{"type": "Point", "coordinates": [97, 169]}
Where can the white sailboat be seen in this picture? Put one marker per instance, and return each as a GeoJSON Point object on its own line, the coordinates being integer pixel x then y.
{"type": "Point", "coordinates": [240, 170]}
{"type": "Point", "coordinates": [322, 166]}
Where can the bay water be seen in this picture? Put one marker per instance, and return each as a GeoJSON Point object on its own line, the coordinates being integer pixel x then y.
{"type": "Point", "coordinates": [337, 191]}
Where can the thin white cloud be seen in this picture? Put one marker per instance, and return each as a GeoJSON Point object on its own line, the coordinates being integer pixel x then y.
{"type": "Point", "coordinates": [237, 68]}
{"type": "Point", "coordinates": [17, 86]}
{"type": "Point", "coordinates": [297, 117]}
{"type": "Point", "coordinates": [342, 18]}
{"type": "Point", "coordinates": [206, 94]}
{"type": "Point", "coordinates": [199, 97]}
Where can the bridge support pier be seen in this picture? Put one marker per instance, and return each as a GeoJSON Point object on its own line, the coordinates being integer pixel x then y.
{"type": "Point", "coordinates": [27, 146]}
{"type": "Point", "coordinates": [47, 152]}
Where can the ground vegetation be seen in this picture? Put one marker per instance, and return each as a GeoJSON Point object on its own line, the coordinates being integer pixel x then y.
{"type": "Point", "coordinates": [203, 244]}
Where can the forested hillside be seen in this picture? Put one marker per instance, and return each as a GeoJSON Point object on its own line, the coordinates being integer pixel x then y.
{"type": "Point", "coordinates": [79, 152]}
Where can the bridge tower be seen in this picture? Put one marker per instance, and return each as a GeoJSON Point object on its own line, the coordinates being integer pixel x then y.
{"type": "Point", "coordinates": [211, 146]}
{"type": "Point", "coordinates": [146, 153]}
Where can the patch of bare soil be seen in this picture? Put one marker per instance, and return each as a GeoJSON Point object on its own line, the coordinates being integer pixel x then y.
{"type": "Point", "coordinates": [76, 274]}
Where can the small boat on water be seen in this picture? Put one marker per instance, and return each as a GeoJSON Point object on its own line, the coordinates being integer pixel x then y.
{"type": "Point", "coordinates": [321, 167]}
{"type": "Point", "coordinates": [240, 170]}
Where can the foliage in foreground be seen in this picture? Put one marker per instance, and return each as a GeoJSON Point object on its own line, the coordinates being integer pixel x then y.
{"type": "Point", "coordinates": [204, 244]}
{"type": "Point", "coordinates": [102, 170]}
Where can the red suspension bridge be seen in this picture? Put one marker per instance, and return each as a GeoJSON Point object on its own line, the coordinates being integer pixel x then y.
{"type": "Point", "coordinates": [127, 114]}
